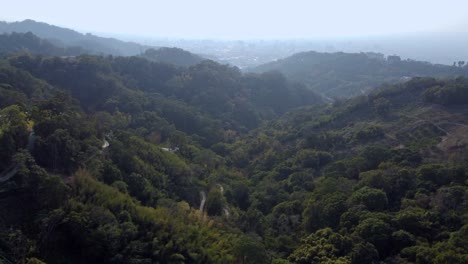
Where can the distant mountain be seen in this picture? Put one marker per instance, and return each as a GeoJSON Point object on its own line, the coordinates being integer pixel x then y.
{"type": "Point", "coordinates": [350, 74]}
{"type": "Point", "coordinates": [30, 43]}
{"type": "Point", "coordinates": [63, 37]}
{"type": "Point", "coordinates": [174, 56]}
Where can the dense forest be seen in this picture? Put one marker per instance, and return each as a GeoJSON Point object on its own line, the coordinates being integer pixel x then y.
{"type": "Point", "coordinates": [344, 75]}
{"type": "Point", "coordinates": [30, 43]}
{"type": "Point", "coordinates": [68, 38]}
{"type": "Point", "coordinates": [126, 160]}
{"type": "Point", "coordinates": [176, 56]}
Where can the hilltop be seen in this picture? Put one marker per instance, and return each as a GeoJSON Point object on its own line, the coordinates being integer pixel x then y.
{"type": "Point", "coordinates": [30, 43]}
{"type": "Point", "coordinates": [40, 38]}
{"type": "Point", "coordinates": [174, 56]}
{"type": "Point", "coordinates": [65, 38]}
{"type": "Point", "coordinates": [344, 75]}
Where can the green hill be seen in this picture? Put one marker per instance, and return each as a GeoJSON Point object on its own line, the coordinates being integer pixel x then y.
{"type": "Point", "coordinates": [174, 56]}
{"type": "Point", "coordinates": [357, 178]}
{"type": "Point", "coordinates": [40, 38]}
{"type": "Point", "coordinates": [30, 43]}
{"type": "Point", "coordinates": [343, 75]}
{"type": "Point", "coordinates": [66, 38]}
{"type": "Point", "coordinates": [124, 160]}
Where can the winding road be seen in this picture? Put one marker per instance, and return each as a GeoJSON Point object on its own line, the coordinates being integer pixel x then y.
{"type": "Point", "coordinates": [202, 202]}
{"type": "Point", "coordinates": [11, 171]}
{"type": "Point", "coordinates": [8, 173]}
{"type": "Point", "coordinates": [225, 208]}
{"type": "Point", "coordinates": [105, 144]}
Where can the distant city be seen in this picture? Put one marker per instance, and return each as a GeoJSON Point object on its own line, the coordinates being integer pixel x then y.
{"type": "Point", "coordinates": [438, 48]}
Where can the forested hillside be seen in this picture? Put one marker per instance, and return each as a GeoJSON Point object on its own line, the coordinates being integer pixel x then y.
{"type": "Point", "coordinates": [344, 75]}
{"type": "Point", "coordinates": [30, 43]}
{"type": "Point", "coordinates": [376, 178]}
{"type": "Point", "coordinates": [124, 160]}
{"type": "Point", "coordinates": [174, 56]}
{"type": "Point", "coordinates": [66, 38]}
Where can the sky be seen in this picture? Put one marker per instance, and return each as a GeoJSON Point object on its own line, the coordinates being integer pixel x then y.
{"type": "Point", "coordinates": [245, 19]}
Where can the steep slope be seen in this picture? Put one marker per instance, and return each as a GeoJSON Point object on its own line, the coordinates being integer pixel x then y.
{"type": "Point", "coordinates": [219, 91]}
{"type": "Point", "coordinates": [358, 178]}
{"type": "Point", "coordinates": [344, 75]}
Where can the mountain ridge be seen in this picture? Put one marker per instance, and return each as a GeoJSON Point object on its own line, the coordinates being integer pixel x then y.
{"type": "Point", "coordinates": [67, 37]}
{"type": "Point", "coordinates": [343, 74]}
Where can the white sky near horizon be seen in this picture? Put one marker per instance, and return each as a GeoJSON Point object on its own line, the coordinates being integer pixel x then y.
{"type": "Point", "coordinates": [245, 19]}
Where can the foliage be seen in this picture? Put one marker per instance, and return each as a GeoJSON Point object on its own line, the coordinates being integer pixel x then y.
{"type": "Point", "coordinates": [174, 56]}
{"type": "Point", "coordinates": [123, 160]}
{"type": "Point", "coordinates": [345, 75]}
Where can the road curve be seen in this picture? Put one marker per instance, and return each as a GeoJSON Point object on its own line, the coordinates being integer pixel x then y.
{"type": "Point", "coordinates": [202, 202]}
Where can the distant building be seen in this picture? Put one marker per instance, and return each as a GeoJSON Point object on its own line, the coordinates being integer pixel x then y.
{"type": "Point", "coordinates": [375, 56]}
{"type": "Point", "coordinates": [172, 150]}
{"type": "Point", "coordinates": [393, 59]}
{"type": "Point", "coordinates": [405, 79]}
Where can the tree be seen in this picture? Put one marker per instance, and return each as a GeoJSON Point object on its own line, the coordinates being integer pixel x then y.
{"type": "Point", "coordinates": [59, 151]}
{"type": "Point", "coordinates": [373, 199]}
{"type": "Point", "coordinates": [323, 246]}
{"type": "Point", "coordinates": [215, 202]}
{"type": "Point", "coordinates": [402, 239]}
{"type": "Point", "coordinates": [313, 159]}
{"type": "Point", "coordinates": [240, 194]}
{"type": "Point", "coordinates": [13, 133]}
{"type": "Point", "coordinates": [34, 261]}
{"type": "Point", "coordinates": [415, 220]}
{"type": "Point", "coordinates": [377, 232]}
{"type": "Point", "coordinates": [250, 250]}
{"type": "Point", "coordinates": [458, 239]}
{"type": "Point", "coordinates": [382, 106]}
{"type": "Point", "coordinates": [325, 211]}
{"type": "Point", "coordinates": [364, 253]}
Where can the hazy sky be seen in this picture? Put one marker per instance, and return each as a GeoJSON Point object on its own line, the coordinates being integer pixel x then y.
{"type": "Point", "coordinates": [245, 18]}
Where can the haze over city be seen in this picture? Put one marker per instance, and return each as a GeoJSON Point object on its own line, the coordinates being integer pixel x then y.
{"type": "Point", "coordinates": [243, 19]}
